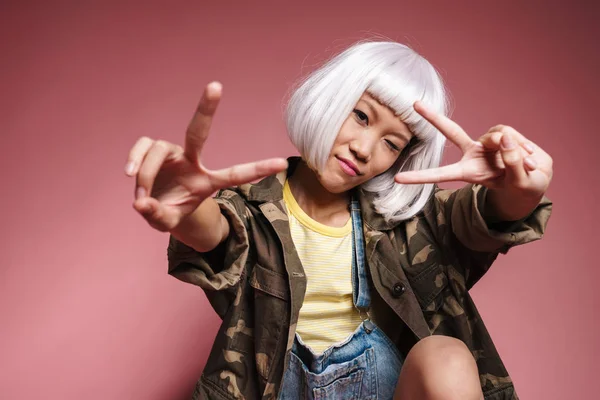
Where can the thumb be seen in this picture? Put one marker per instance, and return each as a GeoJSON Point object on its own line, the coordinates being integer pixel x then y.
{"type": "Point", "coordinates": [513, 161]}
{"type": "Point", "coordinates": [155, 213]}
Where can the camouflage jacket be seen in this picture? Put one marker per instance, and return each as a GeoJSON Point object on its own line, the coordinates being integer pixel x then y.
{"type": "Point", "coordinates": [420, 271]}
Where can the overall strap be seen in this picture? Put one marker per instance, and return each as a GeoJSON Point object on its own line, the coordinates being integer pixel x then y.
{"type": "Point", "coordinates": [360, 284]}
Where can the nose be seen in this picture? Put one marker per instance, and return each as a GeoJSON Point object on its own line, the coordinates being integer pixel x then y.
{"type": "Point", "coordinates": [362, 147]}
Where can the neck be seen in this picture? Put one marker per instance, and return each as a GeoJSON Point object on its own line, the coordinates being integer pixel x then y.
{"type": "Point", "coordinates": [316, 201]}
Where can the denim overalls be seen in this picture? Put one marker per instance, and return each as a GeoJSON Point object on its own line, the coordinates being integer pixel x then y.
{"type": "Point", "coordinates": [364, 366]}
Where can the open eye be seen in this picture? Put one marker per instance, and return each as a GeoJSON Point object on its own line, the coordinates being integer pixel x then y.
{"type": "Point", "coordinates": [364, 118]}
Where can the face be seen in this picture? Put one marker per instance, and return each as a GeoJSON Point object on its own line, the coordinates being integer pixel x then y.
{"type": "Point", "coordinates": [368, 143]}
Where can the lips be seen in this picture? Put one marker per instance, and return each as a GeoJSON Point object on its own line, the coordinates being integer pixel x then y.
{"type": "Point", "coordinates": [350, 165]}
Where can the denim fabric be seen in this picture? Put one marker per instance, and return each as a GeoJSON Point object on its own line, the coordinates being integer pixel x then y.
{"type": "Point", "coordinates": [364, 366]}
{"type": "Point", "coordinates": [360, 283]}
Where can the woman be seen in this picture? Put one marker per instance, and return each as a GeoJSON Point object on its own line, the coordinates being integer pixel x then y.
{"type": "Point", "coordinates": [345, 273]}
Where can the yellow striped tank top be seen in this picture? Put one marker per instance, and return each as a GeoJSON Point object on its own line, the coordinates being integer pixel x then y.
{"type": "Point", "coordinates": [327, 315]}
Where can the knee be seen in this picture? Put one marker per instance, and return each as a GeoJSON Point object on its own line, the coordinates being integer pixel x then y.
{"type": "Point", "coordinates": [440, 367]}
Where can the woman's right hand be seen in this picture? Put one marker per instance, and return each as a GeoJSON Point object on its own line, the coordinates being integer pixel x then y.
{"type": "Point", "coordinates": [171, 181]}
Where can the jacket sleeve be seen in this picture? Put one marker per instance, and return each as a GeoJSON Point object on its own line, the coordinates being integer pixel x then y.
{"type": "Point", "coordinates": [457, 218]}
{"type": "Point", "coordinates": [221, 268]}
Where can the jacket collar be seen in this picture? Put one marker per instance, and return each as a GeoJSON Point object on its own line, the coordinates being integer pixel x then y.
{"type": "Point", "coordinates": [270, 189]}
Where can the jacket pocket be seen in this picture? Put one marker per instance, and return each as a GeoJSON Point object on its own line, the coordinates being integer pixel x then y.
{"type": "Point", "coordinates": [271, 317]}
{"type": "Point", "coordinates": [269, 282]}
{"type": "Point", "coordinates": [428, 286]}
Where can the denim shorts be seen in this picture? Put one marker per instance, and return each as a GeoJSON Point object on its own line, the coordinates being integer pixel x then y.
{"type": "Point", "coordinates": [364, 366]}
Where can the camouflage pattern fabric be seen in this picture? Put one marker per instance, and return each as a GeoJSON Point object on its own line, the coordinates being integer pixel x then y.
{"type": "Point", "coordinates": [420, 270]}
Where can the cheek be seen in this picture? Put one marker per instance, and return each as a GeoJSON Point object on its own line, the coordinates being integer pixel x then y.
{"type": "Point", "coordinates": [384, 162]}
{"type": "Point", "coordinates": [348, 131]}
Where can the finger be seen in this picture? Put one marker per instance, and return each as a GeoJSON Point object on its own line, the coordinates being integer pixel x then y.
{"type": "Point", "coordinates": [137, 154]}
{"type": "Point", "coordinates": [199, 127]}
{"type": "Point", "coordinates": [513, 162]}
{"type": "Point", "coordinates": [542, 159]}
{"type": "Point", "coordinates": [156, 214]}
{"type": "Point", "coordinates": [245, 173]}
{"type": "Point", "coordinates": [523, 141]}
{"type": "Point", "coordinates": [155, 157]}
{"type": "Point", "coordinates": [446, 126]}
{"type": "Point", "coordinates": [448, 173]}
{"type": "Point", "coordinates": [530, 164]}
{"type": "Point", "coordinates": [491, 141]}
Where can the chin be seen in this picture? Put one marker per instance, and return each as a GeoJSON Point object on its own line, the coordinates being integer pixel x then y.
{"type": "Point", "coordinates": [336, 184]}
{"type": "Point", "coordinates": [335, 181]}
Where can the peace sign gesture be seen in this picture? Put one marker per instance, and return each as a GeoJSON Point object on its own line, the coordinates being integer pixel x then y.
{"type": "Point", "coordinates": [171, 181]}
{"type": "Point", "coordinates": [501, 159]}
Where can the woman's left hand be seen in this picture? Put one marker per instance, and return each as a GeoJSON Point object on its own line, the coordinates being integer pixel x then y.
{"type": "Point", "coordinates": [500, 159]}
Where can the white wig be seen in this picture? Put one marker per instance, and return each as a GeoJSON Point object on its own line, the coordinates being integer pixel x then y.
{"type": "Point", "coordinates": [395, 75]}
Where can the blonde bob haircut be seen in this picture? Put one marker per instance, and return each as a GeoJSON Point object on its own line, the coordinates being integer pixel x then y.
{"type": "Point", "coordinates": [395, 75]}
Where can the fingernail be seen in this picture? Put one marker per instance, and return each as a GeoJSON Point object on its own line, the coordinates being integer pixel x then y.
{"type": "Point", "coordinates": [140, 192]}
{"type": "Point", "coordinates": [215, 86]}
{"type": "Point", "coordinates": [528, 147]}
{"type": "Point", "coordinates": [129, 168]}
{"type": "Point", "coordinates": [530, 162]}
{"type": "Point", "coordinates": [507, 142]}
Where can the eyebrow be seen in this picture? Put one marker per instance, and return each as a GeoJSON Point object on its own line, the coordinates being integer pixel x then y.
{"type": "Point", "coordinates": [401, 134]}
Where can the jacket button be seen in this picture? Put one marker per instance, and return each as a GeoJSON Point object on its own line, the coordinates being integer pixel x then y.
{"type": "Point", "coordinates": [398, 289]}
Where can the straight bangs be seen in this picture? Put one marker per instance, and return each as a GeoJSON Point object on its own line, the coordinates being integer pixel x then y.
{"type": "Point", "coordinates": [396, 76]}
{"type": "Point", "coordinates": [398, 86]}
{"type": "Point", "coordinates": [319, 106]}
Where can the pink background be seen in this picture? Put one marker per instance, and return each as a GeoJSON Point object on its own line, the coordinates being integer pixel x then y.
{"type": "Point", "coordinates": [87, 309]}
